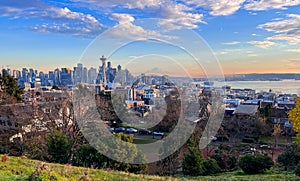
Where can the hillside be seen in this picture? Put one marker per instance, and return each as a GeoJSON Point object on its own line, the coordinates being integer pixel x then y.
{"type": "Point", "coordinates": [20, 168]}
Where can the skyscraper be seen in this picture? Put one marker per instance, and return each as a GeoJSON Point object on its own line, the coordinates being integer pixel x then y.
{"type": "Point", "coordinates": [84, 75]}
{"type": "Point", "coordinates": [78, 74]}
{"type": "Point", "coordinates": [66, 77]}
{"type": "Point", "coordinates": [92, 75]}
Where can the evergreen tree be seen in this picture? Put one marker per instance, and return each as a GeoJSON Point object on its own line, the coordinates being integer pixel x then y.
{"type": "Point", "coordinates": [193, 162]}
{"type": "Point", "coordinates": [9, 85]}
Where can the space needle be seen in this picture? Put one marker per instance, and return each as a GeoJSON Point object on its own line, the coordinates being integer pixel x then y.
{"type": "Point", "coordinates": [103, 59]}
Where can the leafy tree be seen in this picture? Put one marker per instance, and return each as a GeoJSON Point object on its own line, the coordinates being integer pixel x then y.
{"type": "Point", "coordinates": [225, 158]}
{"type": "Point", "coordinates": [254, 164]}
{"type": "Point", "coordinates": [88, 156]}
{"type": "Point", "coordinates": [9, 84]}
{"type": "Point", "coordinates": [193, 163]}
{"type": "Point", "coordinates": [211, 167]}
{"type": "Point", "coordinates": [297, 170]}
{"type": "Point", "coordinates": [290, 157]}
{"type": "Point", "coordinates": [295, 118]}
{"type": "Point", "coordinates": [58, 147]}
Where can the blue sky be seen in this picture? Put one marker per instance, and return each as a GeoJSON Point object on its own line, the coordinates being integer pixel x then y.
{"type": "Point", "coordinates": [246, 36]}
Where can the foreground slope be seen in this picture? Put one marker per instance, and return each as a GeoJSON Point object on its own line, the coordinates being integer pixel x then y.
{"type": "Point", "coordinates": [18, 168]}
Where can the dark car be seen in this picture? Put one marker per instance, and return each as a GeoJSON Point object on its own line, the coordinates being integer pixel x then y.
{"type": "Point", "coordinates": [120, 129]}
{"type": "Point", "coordinates": [144, 131]}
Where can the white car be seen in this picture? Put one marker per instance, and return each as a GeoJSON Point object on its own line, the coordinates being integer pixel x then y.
{"type": "Point", "coordinates": [131, 130]}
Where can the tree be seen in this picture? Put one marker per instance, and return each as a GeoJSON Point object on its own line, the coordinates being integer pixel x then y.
{"type": "Point", "coordinates": [211, 167]}
{"type": "Point", "coordinates": [225, 157]}
{"type": "Point", "coordinates": [9, 85]}
{"type": "Point", "coordinates": [297, 170]}
{"type": "Point", "coordinates": [290, 157]}
{"type": "Point", "coordinates": [254, 164]}
{"type": "Point", "coordinates": [294, 116]}
{"type": "Point", "coordinates": [277, 132]}
{"type": "Point", "coordinates": [193, 163]}
{"type": "Point", "coordinates": [58, 147]}
{"type": "Point", "coordinates": [88, 156]}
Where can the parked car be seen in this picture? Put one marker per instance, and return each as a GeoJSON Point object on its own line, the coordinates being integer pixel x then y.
{"type": "Point", "coordinates": [144, 131]}
{"type": "Point", "coordinates": [265, 147]}
{"type": "Point", "coordinates": [158, 133]}
{"type": "Point", "coordinates": [213, 138]}
{"type": "Point", "coordinates": [120, 129]}
{"type": "Point", "coordinates": [131, 131]}
{"type": "Point", "coordinates": [111, 129]}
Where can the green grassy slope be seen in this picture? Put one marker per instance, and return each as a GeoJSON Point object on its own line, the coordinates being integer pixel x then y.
{"type": "Point", "coordinates": [20, 169]}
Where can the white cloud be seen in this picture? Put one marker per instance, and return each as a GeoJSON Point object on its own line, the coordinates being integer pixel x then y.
{"type": "Point", "coordinates": [130, 4]}
{"type": "Point", "coordinates": [63, 20]}
{"type": "Point", "coordinates": [173, 15]}
{"type": "Point", "coordinates": [176, 16]}
{"type": "Point", "coordinates": [286, 29]}
{"type": "Point", "coordinates": [219, 7]}
{"type": "Point", "coordinates": [259, 5]}
{"type": "Point", "coordinates": [122, 18]}
{"type": "Point", "coordinates": [292, 63]}
{"type": "Point", "coordinates": [281, 26]}
{"type": "Point", "coordinates": [262, 44]}
{"type": "Point", "coordinates": [231, 43]}
{"type": "Point", "coordinates": [297, 50]}
{"type": "Point", "coordinates": [252, 55]}
{"type": "Point", "coordinates": [221, 53]}
{"type": "Point", "coordinates": [126, 29]}
{"type": "Point", "coordinates": [291, 37]}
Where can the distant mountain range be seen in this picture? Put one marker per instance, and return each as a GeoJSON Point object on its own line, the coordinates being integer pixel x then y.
{"type": "Point", "coordinates": [257, 77]}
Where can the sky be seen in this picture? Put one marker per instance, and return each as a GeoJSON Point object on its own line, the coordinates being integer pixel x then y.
{"type": "Point", "coordinates": [173, 37]}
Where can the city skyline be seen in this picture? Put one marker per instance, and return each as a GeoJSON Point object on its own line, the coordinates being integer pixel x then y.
{"type": "Point", "coordinates": [246, 36]}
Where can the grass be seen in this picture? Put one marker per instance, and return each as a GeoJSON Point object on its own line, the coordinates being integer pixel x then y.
{"type": "Point", "coordinates": [17, 169]}
{"type": "Point", "coordinates": [270, 139]}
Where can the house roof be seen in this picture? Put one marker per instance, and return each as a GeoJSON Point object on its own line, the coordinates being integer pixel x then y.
{"type": "Point", "coordinates": [246, 110]}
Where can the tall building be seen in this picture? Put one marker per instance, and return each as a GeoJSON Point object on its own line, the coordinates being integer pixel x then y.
{"type": "Point", "coordinates": [84, 75]}
{"type": "Point", "coordinates": [57, 77]}
{"type": "Point", "coordinates": [42, 79]}
{"type": "Point", "coordinates": [25, 75]}
{"type": "Point", "coordinates": [92, 75]}
{"type": "Point", "coordinates": [78, 73]}
{"type": "Point", "coordinates": [51, 78]}
{"type": "Point", "coordinates": [66, 77]}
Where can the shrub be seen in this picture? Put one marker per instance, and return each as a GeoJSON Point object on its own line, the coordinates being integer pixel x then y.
{"type": "Point", "coordinates": [58, 147]}
{"type": "Point", "coordinates": [225, 158]}
{"type": "Point", "coordinates": [297, 170]}
{"type": "Point", "coordinates": [88, 156]}
{"type": "Point", "coordinates": [211, 167]}
{"type": "Point", "coordinates": [193, 163]}
{"type": "Point", "coordinates": [257, 163]}
{"type": "Point", "coordinates": [290, 157]}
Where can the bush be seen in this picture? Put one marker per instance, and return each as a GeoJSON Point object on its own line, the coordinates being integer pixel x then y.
{"type": "Point", "coordinates": [88, 156]}
{"type": "Point", "coordinates": [225, 158]}
{"type": "Point", "coordinates": [254, 164]}
{"type": "Point", "coordinates": [193, 163]}
{"type": "Point", "coordinates": [290, 158]}
{"type": "Point", "coordinates": [297, 170]}
{"type": "Point", "coordinates": [211, 167]}
{"type": "Point", "coordinates": [58, 147]}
